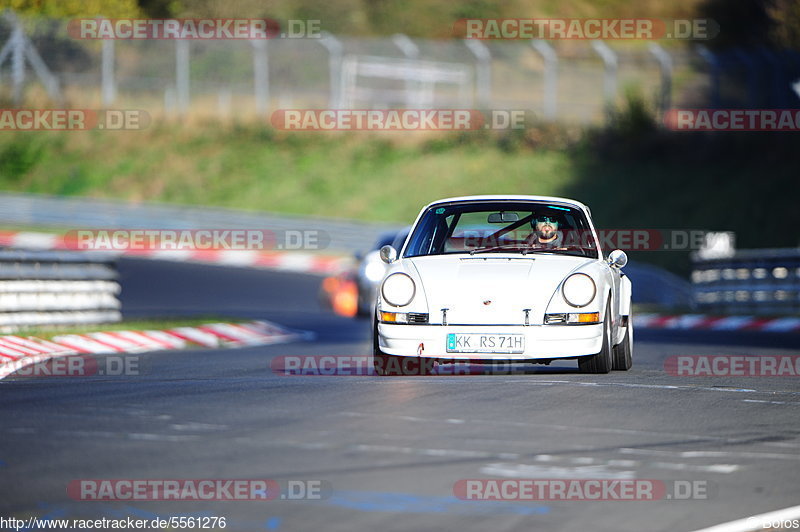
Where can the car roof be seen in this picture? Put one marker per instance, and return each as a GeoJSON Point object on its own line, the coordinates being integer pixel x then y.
{"type": "Point", "coordinates": [504, 197]}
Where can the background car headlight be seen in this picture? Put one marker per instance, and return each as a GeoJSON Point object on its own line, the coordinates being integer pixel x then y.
{"type": "Point", "coordinates": [579, 290]}
{"type": "Point", "coordinates": [398, 289]}
{"type": "Point", "coordinates": [374, 270]}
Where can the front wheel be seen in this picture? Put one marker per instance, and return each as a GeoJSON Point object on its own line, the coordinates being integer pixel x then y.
{"type": "Point", "coordinates": [623, 353]}
{"type": "Point", "coordinates": [601, 362]}
{"type": "Point", "coordinates": [386, 365]}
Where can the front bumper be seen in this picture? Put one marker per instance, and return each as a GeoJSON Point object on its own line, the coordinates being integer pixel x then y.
{"type": "Point", "coordinates": [542, 342]}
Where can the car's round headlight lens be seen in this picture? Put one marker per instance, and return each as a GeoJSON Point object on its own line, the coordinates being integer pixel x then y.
{"type": "Point", "coordinates": [579, 290]}
{"type": "Point", "coordinates": [398, 289]}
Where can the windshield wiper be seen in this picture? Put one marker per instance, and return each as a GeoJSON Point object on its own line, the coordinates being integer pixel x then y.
{"type": "Point", "coordinates": [523, 249]}
{"type": "Point", "coordinates": [575, 252]}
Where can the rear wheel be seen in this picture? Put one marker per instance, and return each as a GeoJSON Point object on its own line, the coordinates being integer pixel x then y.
{"type": "Point", "coordinates": [602, 361]}
{"type": "Point", "coordinates": [623, 353]}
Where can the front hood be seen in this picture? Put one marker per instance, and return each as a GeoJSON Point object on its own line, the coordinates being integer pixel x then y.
{"type": "Point", "coordinates": [492, 289]}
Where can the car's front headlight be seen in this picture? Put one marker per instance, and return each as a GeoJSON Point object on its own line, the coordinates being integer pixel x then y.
{"type": "Point", "coordinates": [579, 290]}
{"type": "Point", "coordinates": [398, 289]}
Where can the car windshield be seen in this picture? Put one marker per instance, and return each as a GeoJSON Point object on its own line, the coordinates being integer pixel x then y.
{"type": "Point", "coordinates": [502, 227]}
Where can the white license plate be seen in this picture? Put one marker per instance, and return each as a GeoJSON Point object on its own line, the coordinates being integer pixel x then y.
{"type": "Point", "coordinates": [485, 343]}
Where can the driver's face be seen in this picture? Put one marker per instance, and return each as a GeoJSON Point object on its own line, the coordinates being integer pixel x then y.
{"type": "Point", "coordinates": [546, 226]}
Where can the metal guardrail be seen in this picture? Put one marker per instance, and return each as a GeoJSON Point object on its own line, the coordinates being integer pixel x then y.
{"type": "Point", "coordinates": [752, 281]}
{"type": "Point", "coordinates": [82, 213]}
{"type": "Point", "coordinates": [57, 288]}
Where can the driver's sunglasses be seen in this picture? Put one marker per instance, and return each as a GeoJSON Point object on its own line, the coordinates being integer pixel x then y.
{"type": "Point", "coordinates": [546, 219]}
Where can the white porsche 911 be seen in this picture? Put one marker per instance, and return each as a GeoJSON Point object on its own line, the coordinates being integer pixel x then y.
{"type": "Point", "coordinates": [504, 278]}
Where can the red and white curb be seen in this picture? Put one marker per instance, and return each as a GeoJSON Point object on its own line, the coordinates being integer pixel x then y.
{"type": "Point", "coordinates": [266, 259]}
{"type": "Point", "coordinates": [16, 352]}
{"type": "Point", "coordinates": [717, 323]}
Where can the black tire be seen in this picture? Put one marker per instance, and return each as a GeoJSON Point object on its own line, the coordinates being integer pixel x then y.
{"type": "Point", "coordinates": [623, 353]}
{"type": "Point", "coordinates": [601, 362]}
{"type": "Point", "coordinates": [379, 361]}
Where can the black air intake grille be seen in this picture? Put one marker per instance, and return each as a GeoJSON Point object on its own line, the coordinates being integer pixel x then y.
{"type": "Point", "coordinates": [417, 317]}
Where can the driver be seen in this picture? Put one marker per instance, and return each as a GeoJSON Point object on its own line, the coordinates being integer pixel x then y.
{"type": "Point", "coordinates": [545, 232]}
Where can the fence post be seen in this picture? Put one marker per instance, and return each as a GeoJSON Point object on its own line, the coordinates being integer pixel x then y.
{"type": "Point", "coordinates": [334, 47]}
{"type": "Point", "coordinates": [548, 53]}
{"type": "Point", "coordinates": [261, 75]}
{"type": "Point", "coordinates": [411, 51]}
{"type": "Point", "coordinates": [20, 48]}
{"type": "Point", "coordinates": [406, 45]}
{"type": "Point", "coordinates": [182, 75]}
{"type": "Point", "coordinates": [18, 63]}
{"type": "Point", "coordinates": [665, 62]}
{"type": "Point", "coordinates": [107, 73]}
{"type": "Point", "coordinates": [484, 71]}
{"type": "Point", "coordinates": [610, 82]}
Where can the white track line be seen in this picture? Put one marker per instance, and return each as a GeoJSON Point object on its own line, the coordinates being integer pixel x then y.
{"type": "Point", "coordinates": [756, 522]}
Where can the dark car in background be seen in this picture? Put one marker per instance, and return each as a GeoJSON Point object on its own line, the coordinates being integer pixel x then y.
{"type": "Point", "coordinates": [353, 292]}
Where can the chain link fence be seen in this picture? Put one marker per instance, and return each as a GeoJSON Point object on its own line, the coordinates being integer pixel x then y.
{"type": "Point", "coordinates": [568, 81]}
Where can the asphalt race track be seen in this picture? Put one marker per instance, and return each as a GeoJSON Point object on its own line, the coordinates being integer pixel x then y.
{"type": "Point", "coordinates": [389, 450]}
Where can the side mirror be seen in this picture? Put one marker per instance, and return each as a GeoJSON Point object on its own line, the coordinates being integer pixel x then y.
{"type": "Point", "coordinates": [388, 254]}
{"type": "Point", "coordinates": [618, 258]}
